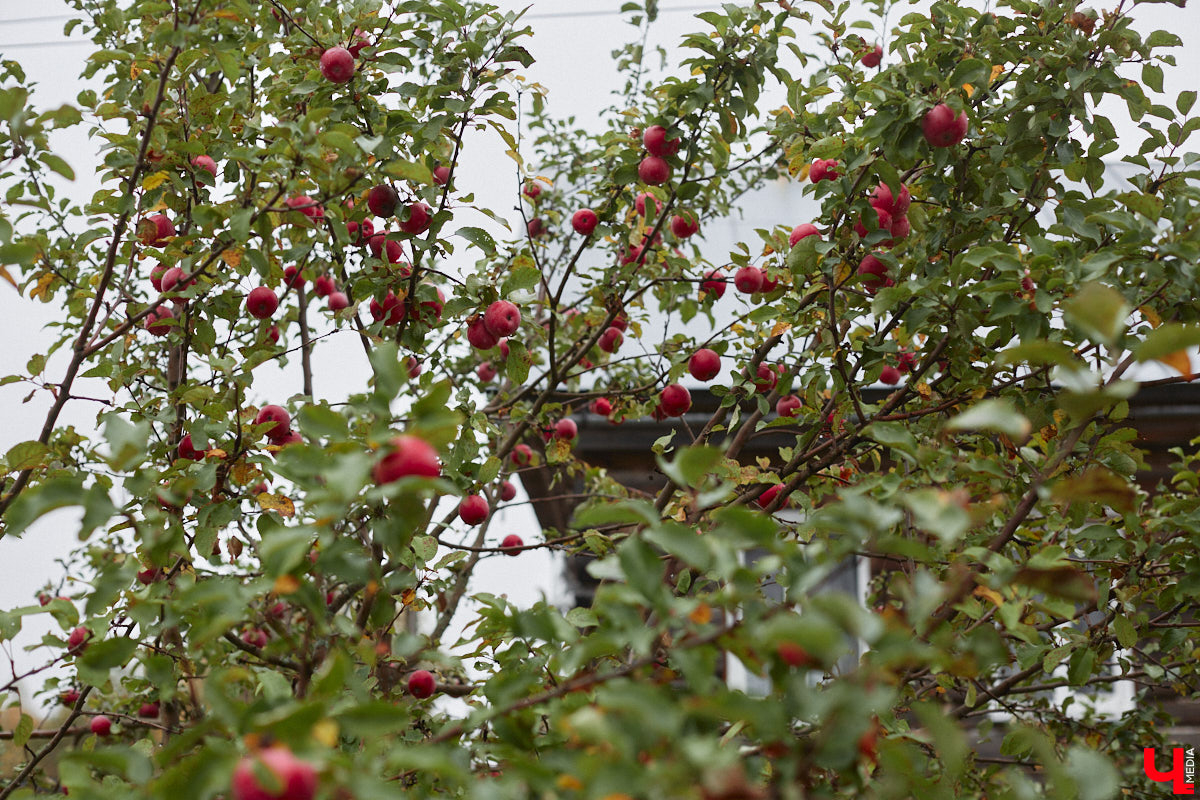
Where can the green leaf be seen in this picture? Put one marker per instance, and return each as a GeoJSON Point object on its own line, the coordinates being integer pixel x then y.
{"type": "Point", "coordinates": [1099, 311]}
{"type": "Point", "coordinates": [412, 171]}
{"type": "Point", "coordinates": [1152, 76]}
{"type": "Point", "coordinates": [1167, 339]}
{"type": "Point", "coordinates": [22, 732]}
{"type": "Point", "coordinates": [582, 617]}
{"type": "Point", "coordinates": [376, 718]}
{"type": "Point", "coordinates": [894, 435]}
{"type": "Point", "coordinates": [127, 442]}
{"type": "Point", "coordinates": [26, 455]}
{"type": "Point", "coordinates": [972, 71]}
{"type": "Point", "coordinates": [42, 498]}
{"type": "Point", "coordinates": [994, 415]}
{"type": "Point", "coordinates": [100, 657]}
{"type": "Point", "coordinates": [58, 165]}
{"type": "Point", "coordinates": [1041, 352]}
{"type": "Point", "coordinates": [425, 547]}
{"type": "Point", "coordinates": [521, 277]}
{"type": "Point", "coordinates": [1095, 776]}
{"type": "Point", "coordinates": [691, 465]}
{"type": "Point", "coordinates": [1185, 101]}
{"type": "Point", "coordinates": [481, 239]}
{"type": "Point", "coordinates": [1126, 634]}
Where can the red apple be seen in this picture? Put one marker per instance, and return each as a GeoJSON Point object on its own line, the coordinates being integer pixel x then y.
{"type": "Point", "coordinates": [473, 509]}
{"type": "Point", "coordinates": [261, 302]}
{"type": "Point", "coordinates": [359, 42]}
{"type": "Point", "coordinates": [769, 284]}
{"type": "Point", "coordinates": [101, 725]}
{"type": "Point", "coordinates": [479, 336]}
{"type": "Point", "coordinates": [293, 277]}
{"type": "Point", "coordinates": [155, 321]}
{"type": "Point", "coordinates": [205, 163]}
{"type": "Point", "coordinates": [896, 206]}
{"type": "Point", "coordinates": [900, 229]}
{"type": "Point", "coordinates": [675, 400]}
{"type": "Point", "coordinates": [306, 206]}
{"type": "Point", "coordinates": [291, 437]}
{"type": "Point", "coordinates": [748, 280]}
{"type": "Point", "coordinates": [187, 450]}
{"type": "Point", "coordinates": [502, 318]}
{"type": "Point", "coordinates": [406, 456]}
{"type": "Point", "coordinates": [610, 340]}
{"type": "Point", "coordinates": [324, 286]}
{"type": "Point", "coordinates": [536, 228]}
{"type": "Point", "coordinates": [521, 455]}
{"type": "Point", "coordinates": [874, 272]}
{"type": "Point", "coordinates": [382, 200]}
{"type": "Point", "coordinates": [889, 375]}
{"type": "Point", "coordinates": [291, 778]}
{"type": "Point", "coordinates": [566, 429]}
{"type": "Point", "coordinates": [422, 684]}
{"type": "Point", "coordinates": [872, 57]}
{"type": "Point", "coordinates": [713, 284]}
{"type": "Point", "coordinates": [823, 169]}
{"type": "Point", "coordinates": [705, 364]}
{"type": "Point", "coordinates": [768, 495]}
{"type": "Point", "coordinates": [149, 576]}
{"type": "Point", "coordinates": [337, 65]}
{"type": "Point", "coordinates": [765, 378]}
{"type": "Point", "coordinates": [794, 655]}
{"type": "Point", "coordinates": [601, 406]}
{"type": "Point", "coordinates": [156, 276]}
{"type": "Point", "coordinates": [69, 698]}
{"type": "Point", "coordinates": [279, 418]}
{"type": "Point", "coordinates": [77, 640]}
{"type": "Point", "coordinates": [788, 405]}
{"type": "Point", "coordinates": [639, 203]}
{"type": "Point", "coordinates": [883, 222]}
{"type": "Point", "coordinates": [148, 711]}
{"type": "Point", "coordinates": [153, 231]}
{"type": "Point", "coordinates": [388, 249]}
{"type": "Point", "coordinates": [390, 310]}
{"type": "Point", "coordinates": [685, 225]}
{"type": "Point", "coordinates": [361, 232]}
{"type": "Point", "coordinates": [338, 301]}
{"type": "Point", "coordinates": [486, 372]}
{"type": "Point", "coordinates": [584, 221]}
{"type": "Point", "coordinates": [273, 334]}
{"type": "Point", "coordinates": [532, 190]}
{"type": "Point", "coordinates": [441, 175]}
{"type": "Point", "coordinates": [512, 543]}
{"type": "Point", "coordinates": [654, 171]}
{"type": "Point", "coordinates": [507, 491]}
{"type": "Point", "coordinates": [418, 219]}
{"type": "Point", "coordinates": [655, 141]}
{"type": "Point", "coordinates": [802, 231]}
{"type": "Point", "coordinates": [942, 127]}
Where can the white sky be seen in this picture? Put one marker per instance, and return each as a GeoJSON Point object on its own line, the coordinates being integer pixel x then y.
{"type": "Point", "coordinates": [573, 62]}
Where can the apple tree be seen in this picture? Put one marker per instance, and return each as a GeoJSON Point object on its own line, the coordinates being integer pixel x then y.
{"type": "Point", "coordinates": [276, 595]}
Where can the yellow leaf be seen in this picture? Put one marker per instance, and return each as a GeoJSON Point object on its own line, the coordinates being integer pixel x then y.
{"type": "Point", "coordinates": [277, 502]}
{"type": "Point", "coordinates": [997, 71]}
{"type": "Point", "coordinates": [243, 473]}
{"type": "Point", "coordinates": [408, 597]}
{"type": "Point", "coordinates": [781, 328]}
{"type": "Point", "coordinates": [286, 584]}
{"type": "Point", "coordinates": [544, 180]}
{"type": "Point", "coordinates": [232, 257]}
{"type": "Point", "coordinates": [216, 452]}
{"type": "Point", "coordinates": [990, 594]}
{"type": "Point", "coordinates": [924, 390]}
{"type": "Point", "coordinates": [969, 89]}
{"type": "Point", "coordinates": [4, 274]}
{"type": "Point", "coordinates": [155, 180]}
{"type": "Point", "coordinates": [1180, 362]}
{"type": "Point", "coordinates": [515, 156]}
{"type": "Point", "coordinates": [1151, 316]}
{"type": "Point", "coordinates": [225, 13]}
{"type": "Point", "coordinates": [569, 783]}
{"type": "Point", "coordinates": [42, 290]}
{"type": "Point", "coordinates": [134, 71]}
{"type": "Point", "coordinates": [325, 732]}
{"type": "Point", "coordinates": [702, 615]}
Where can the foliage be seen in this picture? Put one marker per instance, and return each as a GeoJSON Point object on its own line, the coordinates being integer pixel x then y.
{"type": "Point", "coordinates": [277, 590]}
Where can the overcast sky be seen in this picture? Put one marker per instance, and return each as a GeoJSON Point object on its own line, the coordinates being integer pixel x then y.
{"type": "Point", "coordinates": [572, 45]}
